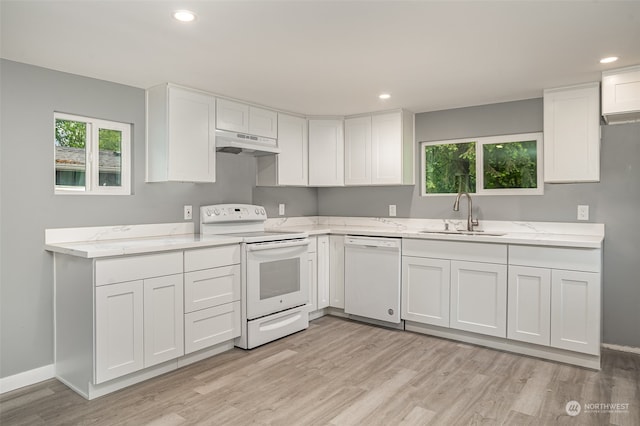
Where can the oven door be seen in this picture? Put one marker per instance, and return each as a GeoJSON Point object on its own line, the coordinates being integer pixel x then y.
{"type": "Point", "coordinates": [277, 276]}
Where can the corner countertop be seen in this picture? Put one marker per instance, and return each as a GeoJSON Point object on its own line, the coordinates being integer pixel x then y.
{"type": "Point", "coordinates": [96, 242]}
{"type": "Point", "coordinates": [576, 235]}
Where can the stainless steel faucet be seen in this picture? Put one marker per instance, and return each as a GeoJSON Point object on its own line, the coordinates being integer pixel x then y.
{"type": "Point", "coordinates": [471, 222]}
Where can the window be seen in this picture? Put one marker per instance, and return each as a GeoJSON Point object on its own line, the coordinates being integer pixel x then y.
{"type": "Point", "coordinates": [497, 165]}
{"type": "Point", "coordinates": [91, 156]}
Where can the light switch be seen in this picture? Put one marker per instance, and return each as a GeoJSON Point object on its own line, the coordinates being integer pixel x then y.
{"type": "Point", "coordinates": [281, 209]}
{"type": "Point", "coordinates": [392, 210]}
{"type": "Point", "coordinates": [583, 212]}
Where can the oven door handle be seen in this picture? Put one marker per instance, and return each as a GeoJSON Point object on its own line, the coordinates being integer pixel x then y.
{"type": "Point", "coordinates": [271, 246]}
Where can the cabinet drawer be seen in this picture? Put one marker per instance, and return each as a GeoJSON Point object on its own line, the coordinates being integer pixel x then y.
{"type": "Point", "coordinates": [573, 259]}
{"type": "Point", "coordinates": [211, 326]}
{"type": "Point", "coordinates": [130, 268]}
{"type": "Point", "coordinates": [211, 287]}
{"type": "Point", "coordinates": [454, 250]}
{"type": "Point", "coordinates": [214, 257]}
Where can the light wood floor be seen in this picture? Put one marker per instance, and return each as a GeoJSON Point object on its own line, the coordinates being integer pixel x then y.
{"type": "Point", "coordinates": [347, 373]}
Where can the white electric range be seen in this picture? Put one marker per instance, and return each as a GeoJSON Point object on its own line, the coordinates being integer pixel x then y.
{"type": "Point", "coordinates": [275, 276]}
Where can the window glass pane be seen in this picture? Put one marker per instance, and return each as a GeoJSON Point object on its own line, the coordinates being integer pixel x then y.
{"type": "Point", "coordinates": [70, 147]}
{"type": "Point", "coordinates": [450, 168]}
{"type": "Point", "coordinates": [510, 165]}
{"type": "Point", "coordinates": [109, 157]}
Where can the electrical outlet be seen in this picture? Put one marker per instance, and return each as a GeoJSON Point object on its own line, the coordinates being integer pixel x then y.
{"type": "Point", "coordinates": [188, 212]}
{"type": "Point", "coordinates": [392, 209]}
{"type": "Point", "coordinates": [583, 212]}
{"type": "Point", "coordinates": [281, 209]}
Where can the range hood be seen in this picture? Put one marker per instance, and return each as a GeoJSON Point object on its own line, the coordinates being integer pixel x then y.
{"type": "Point", "coordinates": [242, 143]}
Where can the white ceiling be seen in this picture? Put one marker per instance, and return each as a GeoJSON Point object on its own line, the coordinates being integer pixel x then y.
{"type": "Point", "coordinates": [331, 57]}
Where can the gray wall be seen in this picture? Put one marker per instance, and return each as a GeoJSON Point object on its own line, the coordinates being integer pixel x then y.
{"type": "Point", "coordinates": [30, 95]}
{"type": "Point", "coordinates": [614, 201]}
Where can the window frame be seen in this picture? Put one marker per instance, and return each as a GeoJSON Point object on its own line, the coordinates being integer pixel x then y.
{"type": "Point", "coordinates": [480, 142]}
{"type": "Point", "coordinates": [92, 165]}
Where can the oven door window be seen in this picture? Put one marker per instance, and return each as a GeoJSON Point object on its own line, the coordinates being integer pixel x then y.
{"type": "Point", "coordinates": [279, 278]}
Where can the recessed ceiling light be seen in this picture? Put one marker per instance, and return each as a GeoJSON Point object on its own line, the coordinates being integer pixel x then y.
{"type": "Point", "coordinates": [184, 15]}
{"type": "Point", "coordinates": [608, 59]}
{"type": "Point", "coordinates": [384, 96]}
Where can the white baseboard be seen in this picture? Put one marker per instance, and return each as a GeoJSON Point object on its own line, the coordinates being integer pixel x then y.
{"type": "Point", "coordinates": [27, 378]}
{"type": "Point", "coordinates": [621, 348]}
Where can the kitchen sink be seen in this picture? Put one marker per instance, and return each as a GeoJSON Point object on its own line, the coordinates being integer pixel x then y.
{"type": "Point", "coordinates": [488, 234]}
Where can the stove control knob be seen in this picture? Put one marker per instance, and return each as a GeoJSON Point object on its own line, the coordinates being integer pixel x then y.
{"type": "Point", "coordinates": [208, 212]}
{"type": "Point", "coordinates": [216, 212]}
{"type": "Point", "coordinates": [262, 212]}
{"type": "Point", "coordinates": [257, 211]}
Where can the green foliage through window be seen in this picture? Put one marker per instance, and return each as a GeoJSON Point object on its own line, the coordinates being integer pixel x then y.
{"type": "Point", "coordinates": [488, 165]}
{"type": "Point", "coordinates": [510, 165]}
{"type": "Point", "coordinates": [450, 168]}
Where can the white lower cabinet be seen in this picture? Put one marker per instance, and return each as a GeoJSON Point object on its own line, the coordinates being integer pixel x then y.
{"type": "Point", "coordinates": [555, 297]}
{"type": "Point", "coordinates": [425, 290]}
{"type": "Point", "coordinates": [312, 304]}
{"type": "Point", "coordinates": [119, 330]}
{"type": "Point", "coordinates": [323, 271]}
{"type": "Point", "coordinates": [336, 271]}
{"type": "Point", "coordinates": [529, 305]}
{"type": "Point", "coordinates": [212, 296]}
{"type": "Point", "coordinates": [138, 322]}
{"type": "Point", "coordinates": [163, 319]}
{"type": "Point", "coordinates": [575, 311]}
{"type": "Point", "coordinates": [479, 297]}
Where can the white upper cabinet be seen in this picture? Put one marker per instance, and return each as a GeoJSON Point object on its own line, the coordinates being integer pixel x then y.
{"type": "Point", "coordinates": [357, 151]}
{"type": "Point", "coordinates": [379, 149]}
{"type": "Point", "coordinates": [243, 118]}
{"type": "Point", "coordinates": [232, 116]}
{"type": "Point", "coordinates": [326, 152]}
{"type": "Point", "coordinates": [621, 95]}
{"type": "Point", "coordinates": [572, 134]}
{"type": "Point", "coordinates": [263, 122]}
{"type": "Point", "coordinates": [180, 135]}
{"type": "Point", "coordinates": [291, 166]}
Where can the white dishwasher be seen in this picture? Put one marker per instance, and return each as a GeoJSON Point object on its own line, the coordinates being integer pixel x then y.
{"type": "Point", "coordinates": [372, 277]}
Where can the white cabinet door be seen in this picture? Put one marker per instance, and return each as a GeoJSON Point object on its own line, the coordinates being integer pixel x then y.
{"type": "Point", "coordinates": [336, 271]}
{"type": "Point", "coordinates": [572, 134]}
{"type": "Point", "coordinates": [163, 319]}
{"type": "Point", "coordinates": [479, 297]}
{"type": "Point", "coordinates": [357, 151]}
{"type": "Point", "coordinates": [263, 122]}
{"type": "Point", "coordinates": [312, 304]}
{"type": "Point", "coordinates": [425, 290]}
{"type": "Point", "coordinates": [529, 307]}
{"type": "Point", "coordinates": [323, 271]}
{"type": "Point", "coordinates": [180, 135]}
{"type": "Point", "coordinates": [232, 116]}
{"type": "Point", "coordinates": [291, 166]}
{"type": "Point", "coordinates": [575, 311]}
{"type": "Point", "coordinates": [621, 95]}
{"type": "Point", "coordinates": [326, 153]}
{"type": "Point", "coordinates": [386, 149]}
{"type": "Point", "coordinates": [119, 346]}
{"type": "Point", "coordinates": [191, 136]}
